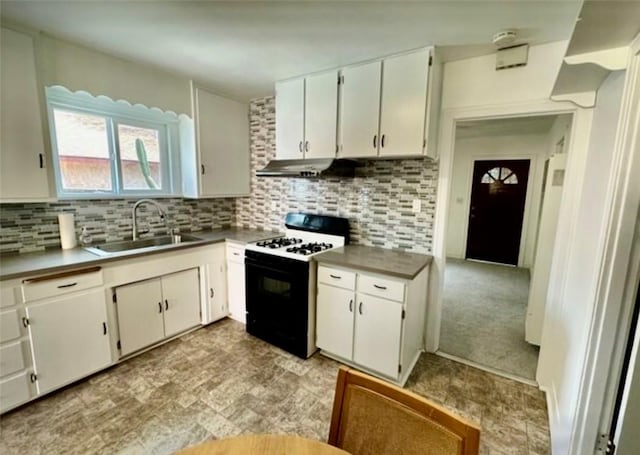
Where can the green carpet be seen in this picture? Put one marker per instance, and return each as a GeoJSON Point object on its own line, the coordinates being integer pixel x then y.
{"type": "Point", "coordinates": [483, 315]}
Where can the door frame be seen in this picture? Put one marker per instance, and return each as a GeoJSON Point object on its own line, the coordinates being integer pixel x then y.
{"type": "Point", "coordinates": [581, 123]}
{"type": "Point", "coordinates": [524, 231]}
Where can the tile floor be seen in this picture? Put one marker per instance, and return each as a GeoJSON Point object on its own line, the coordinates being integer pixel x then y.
{"type": "Point", "coordinates": [219, 381]}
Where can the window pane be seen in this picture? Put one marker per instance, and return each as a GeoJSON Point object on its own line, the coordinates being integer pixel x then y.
{"type": "Point", "coordinates": [495, 173]}
{"type": "Point", "coordinates": [140, 158]}
{"type": "Point", "coordinates": [511, 180]}
{"type": "Point", "coordinates": [83, 151]}
{"type": "Point", "coordinates": [505, 172]}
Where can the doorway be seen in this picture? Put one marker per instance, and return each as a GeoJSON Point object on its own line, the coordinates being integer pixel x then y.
{"type": "Point", "coordinates": [498, 193]}
{"type": "Point", "coordinates": [495, 205]}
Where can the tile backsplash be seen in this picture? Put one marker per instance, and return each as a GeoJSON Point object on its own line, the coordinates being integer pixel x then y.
{"type": "Point", "coordinates": [34, 226]}
{"type": "Point", "coordinates": [377, 201]}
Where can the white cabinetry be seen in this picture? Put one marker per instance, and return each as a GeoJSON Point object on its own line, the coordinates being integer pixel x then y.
{"type": "Point", "coordinates": [217, 285]}
{"type": "Point", "coordinates": [373, 322]}
{"type": "Point", "coordinates": [306, 117]}
{"type": "Point", "coordinates": [69, 338]}
{"type": "Point", "coordinates": [384, 107]}
{"type": "Point", "coordinates": [23, 175]}
{"type": "Point", "coordinates": [236, 282]}
{"type": "Point", "coordinates": [216, 162]}
{"type": "Point", "coordinates": [158, 308]}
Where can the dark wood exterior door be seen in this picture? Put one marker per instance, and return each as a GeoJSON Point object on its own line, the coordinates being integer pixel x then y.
{"type": "Point", "coordinates": [498, 193]}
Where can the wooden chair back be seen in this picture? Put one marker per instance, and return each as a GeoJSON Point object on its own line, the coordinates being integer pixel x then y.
{"type": "Point", "coordinates": [373, 417]}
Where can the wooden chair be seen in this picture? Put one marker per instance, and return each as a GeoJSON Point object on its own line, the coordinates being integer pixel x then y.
{"type": "Point", "coordinates": [373, 417]}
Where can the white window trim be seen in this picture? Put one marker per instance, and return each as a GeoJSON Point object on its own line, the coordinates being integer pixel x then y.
{"type": "Point", "coordinates": [118, 113]}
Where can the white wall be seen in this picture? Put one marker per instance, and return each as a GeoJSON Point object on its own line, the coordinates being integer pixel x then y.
{"type": "Point", "coordinates": [79, 68]}
{"type": "Point", "coordinates": [581, 230]}
{"type": "Point", "coordinates": [475, 81]}
{"type": "Point", "coordinates": [532, 147]}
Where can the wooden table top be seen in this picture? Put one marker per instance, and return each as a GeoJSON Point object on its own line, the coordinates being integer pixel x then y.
{"type": "Point", "coordinates": [266, 444]}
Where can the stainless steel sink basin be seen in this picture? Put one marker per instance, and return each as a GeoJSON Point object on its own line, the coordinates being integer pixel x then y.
{"type": "Point", "coordinates": [106, 249]}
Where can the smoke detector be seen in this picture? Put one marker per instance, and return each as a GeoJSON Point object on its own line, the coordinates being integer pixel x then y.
{"type": "Point", "coordinates": [504, 38]}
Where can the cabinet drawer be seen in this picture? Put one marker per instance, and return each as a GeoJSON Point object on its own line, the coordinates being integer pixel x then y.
{"type": "Point", "coordinates": [11, 358]}
{"type": "Point", "coordinates": [14, 391]}
{"type": "Point", "coordinates": [381, 287]}
{"type": "Point", "coordinates": [9, 325]}
{"type": "Point", "coordinates": [337, 277]}
{"type": "Point", "coordinates": [235, 254]}
{"type": "Point", "coordinates": [61, 283]}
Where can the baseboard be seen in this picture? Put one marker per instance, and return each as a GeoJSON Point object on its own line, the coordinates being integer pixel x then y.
{"type": "Point", "coordinates": [487, 369]}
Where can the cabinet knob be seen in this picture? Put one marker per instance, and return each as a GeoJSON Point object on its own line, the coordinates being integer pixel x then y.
{"type": "Point", "coordinates": [211, 293]}
{"type": "Point", "coordinates": [25, 322]}
{"type": "Point", "coordinates": [300, 146]}
{"type": "Point", "coordinates": [360, 308]}
{"type": "Point", "coordinates": [33, 377]}
{"type": "Point", "coordinates": [159, 307]}
{"type": "Point", "coordinates": [202, 169]}
{"type": "Point", "coordinates": [337, 277]}
{"type": "Point", "coordinates": [41, 160]}
{"type": "Point", "coordinates": [104, 328]}
{"type": "Point", "coordinates": [306, 146]}
{"type": "Point", "coordinates": [351, 306]}
{"type": "Point", "coordinates": [382, 141]}
{"type": "Point", "coordinates": [375, 141]}
{"type": "Point", "coordinates": [380, 287]}
{"type": "Point", "coordinates": [166, 305]}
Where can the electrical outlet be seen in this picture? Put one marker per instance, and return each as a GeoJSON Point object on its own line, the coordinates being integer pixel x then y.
{"type": "Point", "coordinates": [417, 205]}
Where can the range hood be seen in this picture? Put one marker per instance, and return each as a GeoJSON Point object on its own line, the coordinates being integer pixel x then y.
{"type": "Point", "coordinates": [320, 167]}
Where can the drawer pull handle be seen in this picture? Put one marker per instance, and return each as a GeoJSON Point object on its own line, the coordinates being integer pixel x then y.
{"type": "Point", "coordinates": [236, 254]}
{"type": "Point", "coordinates": [104, 328]}
{"type": "Point", "coordinates": [337, 277]}
{"type": "Point", "coordinates": [211, 293]}
{"type": "Point", "coordinates": [166, 305]}
{"type": "Point", "coordinates": [159, 307]}
{"type": "Point", "coordinates": [33, 377]}
{"type": "Point", "coordinates": [351, 306]}
{"type": "Point", "coordinates": [25, 322]}
{"type": "Point", "coordinates": [379, 287]}
{"type": "Point", "coordinates": [360, 308]}
{"type": "Point", "coordinates": [70, 285]}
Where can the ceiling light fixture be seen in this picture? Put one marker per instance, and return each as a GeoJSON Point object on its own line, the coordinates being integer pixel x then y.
{"type": "Point", "coordinates": [504, 38]}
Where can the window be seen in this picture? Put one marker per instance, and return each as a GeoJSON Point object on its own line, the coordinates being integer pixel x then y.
{"type": "Point", "coordinates": [102, 148]}
{"type": "Point", "coordinates": [500, 175]}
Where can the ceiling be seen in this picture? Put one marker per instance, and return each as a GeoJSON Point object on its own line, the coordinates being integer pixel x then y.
{"type": "Point", "coordinates": [240, 48]}
{"type": "Point", "coordinates": [505, 127]}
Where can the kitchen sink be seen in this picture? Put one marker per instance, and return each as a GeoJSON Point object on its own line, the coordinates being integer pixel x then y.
{"type": "Point", "coordinates": [108, 248]}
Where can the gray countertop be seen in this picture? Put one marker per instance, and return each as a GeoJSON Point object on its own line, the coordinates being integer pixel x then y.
{"type": "Point", "coordinates": [379, 260]}
{"type": "Point", "coordinates": [17, 265]}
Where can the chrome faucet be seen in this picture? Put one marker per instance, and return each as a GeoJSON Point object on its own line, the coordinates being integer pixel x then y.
{"type": "Point", "coordinates": [134, 215]}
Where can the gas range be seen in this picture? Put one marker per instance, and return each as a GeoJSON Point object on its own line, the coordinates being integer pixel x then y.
{"type": "Point", "coordinates": [281, 280]}
{"type": "Point", "coordinates": [297, 244]}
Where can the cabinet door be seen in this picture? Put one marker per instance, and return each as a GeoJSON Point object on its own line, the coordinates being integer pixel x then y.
{"type": "Point", "coordinates": [140, 315]}
{"type": "Point", "coordinates": [334, 320]}
{"type": "Point", "coordinates": [181, 300]}
{"type": "Point", "coordinates": [236, 291]}
{"type": "Point", "coordinates": [22, 174]}
{"type": "Point", "coordinates": [290, 119]}
{"type": "Point", "coordinates": [217, 289]}
{"type": "Point", "coordinates": [360, 108]}
{"type": "Point", "coordinates": [321, 115]}
{"type": "Point", "coordinates": [69, 338]}
{"type": "Point", "coordinates": [403, 106]}
{"type": "Point", "coordinates": [378, 329]}
{"type": "Point", "coordinates": [223, 145]}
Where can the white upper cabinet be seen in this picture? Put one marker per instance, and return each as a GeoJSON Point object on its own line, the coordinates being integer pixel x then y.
{"type": "Point", "coordinates": [307, 117]}
{"type": "Point", "coordinates": [216, 164]}
{"type": "Point", "coordinates": [290, 119]}
{"type": "Point", "coordinates": [390, 108]}
{"type": "Point", "coordinates": [23, 173]}
{"type": "Point", "coordinates": [321, 115]}
{"type": "Point", "coordinates": [403, 104]}
{"type": "Point", "coordinates": [360, 110]}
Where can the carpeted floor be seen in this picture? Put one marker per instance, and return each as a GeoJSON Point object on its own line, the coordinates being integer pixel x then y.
{"type": "Point", "coordinates": [483, 315]}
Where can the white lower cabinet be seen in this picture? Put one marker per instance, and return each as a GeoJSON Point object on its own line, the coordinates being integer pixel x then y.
{"type": "Point", "coordinates": [69, 336]}
{"type": "Point", "coordinates": [236, 283]}
{"type": "Point", "coordinates": [217, 279]}
{"type": "Point", "coordinates": [151, 310]}
{"type": "Point", "coordinates": [370, 321]}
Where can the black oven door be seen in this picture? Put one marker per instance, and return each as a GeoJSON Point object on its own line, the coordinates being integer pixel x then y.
{"type": "Point", "coordinates": [278, 300]}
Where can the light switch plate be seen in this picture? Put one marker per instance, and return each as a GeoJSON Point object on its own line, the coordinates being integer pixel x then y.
{"type": "Point", "coordinates": [417, 206]}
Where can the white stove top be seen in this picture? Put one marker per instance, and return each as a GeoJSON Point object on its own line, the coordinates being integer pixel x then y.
{"type": "Point", "coordinates": [296, 244]}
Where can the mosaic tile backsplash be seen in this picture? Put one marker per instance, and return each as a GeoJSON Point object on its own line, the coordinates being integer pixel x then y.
{"type": "Point", "coordinates": [377, 201]}
{"type": "Point", "coordinates": [34, 227]}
